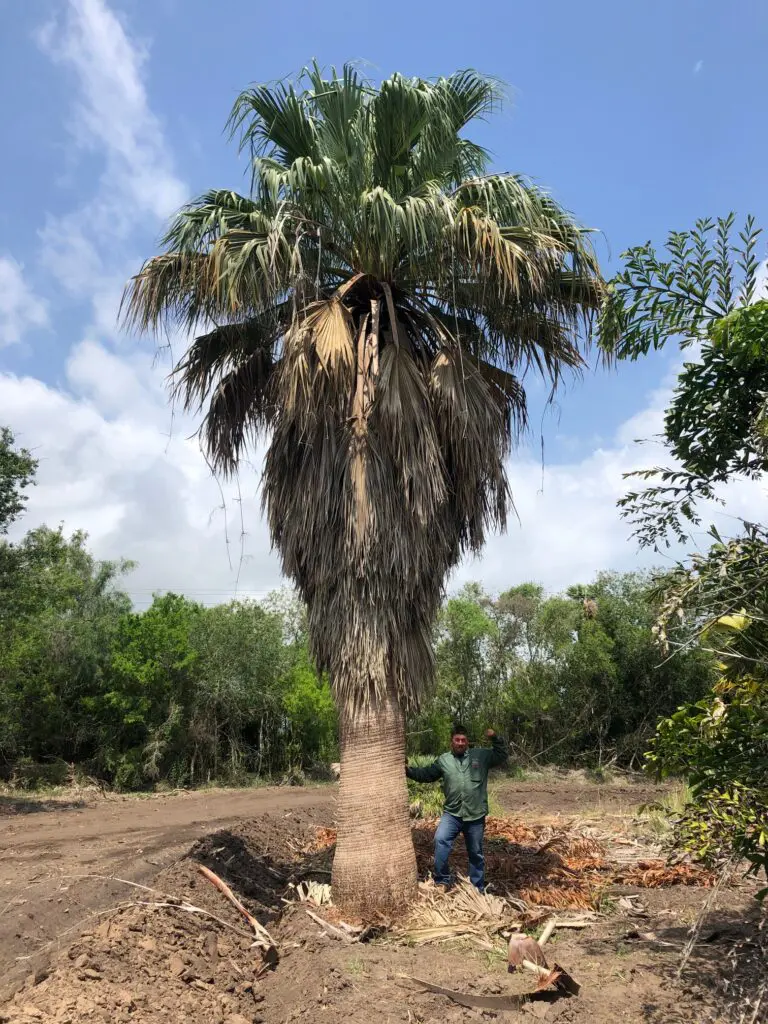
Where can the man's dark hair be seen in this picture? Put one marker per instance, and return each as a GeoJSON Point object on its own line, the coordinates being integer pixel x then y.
{"type": "Point", "coordinates": [458, 730]}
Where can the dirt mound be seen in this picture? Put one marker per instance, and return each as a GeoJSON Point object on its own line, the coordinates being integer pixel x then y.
{"type": "Point", "coordinates": [259, 858]}
{"type": "Point", "coordinates": [150, 964]}
{"type": "Point", "coordinates": [177, 950]}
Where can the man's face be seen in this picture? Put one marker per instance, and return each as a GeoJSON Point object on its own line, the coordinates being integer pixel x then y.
{"type": "Point", "coordinates": [459, 744]}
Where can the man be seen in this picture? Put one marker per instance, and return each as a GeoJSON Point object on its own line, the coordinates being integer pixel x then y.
{"type": "Point", "coordinates": [464, 775]}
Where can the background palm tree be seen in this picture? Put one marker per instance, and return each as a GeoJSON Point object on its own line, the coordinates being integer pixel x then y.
{"type": "Point", "coordinates": [371, 305]}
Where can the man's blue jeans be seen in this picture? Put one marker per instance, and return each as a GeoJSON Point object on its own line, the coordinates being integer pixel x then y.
{"type": "Point", "coordinates": [445, 836]}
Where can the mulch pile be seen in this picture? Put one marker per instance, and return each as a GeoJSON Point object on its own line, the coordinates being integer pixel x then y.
{"type": "Point", "coordinates": [564, 868]}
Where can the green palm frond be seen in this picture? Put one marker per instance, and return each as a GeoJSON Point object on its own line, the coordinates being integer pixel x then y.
{"type": "Point", "coordinates": [374, 304]}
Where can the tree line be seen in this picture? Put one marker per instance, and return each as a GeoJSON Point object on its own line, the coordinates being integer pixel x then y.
{"type": "Point", "coordinates": [572, 679]}
{"type": "Point", "coordinates": [184, 694]}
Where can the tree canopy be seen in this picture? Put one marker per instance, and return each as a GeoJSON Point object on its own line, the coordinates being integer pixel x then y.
{"type": "Point", "coordinates": [373, 303]}
{"type": "Point", "coordinates": [17, 472]}
{"type": "Point", "coordinates": [716, 601]}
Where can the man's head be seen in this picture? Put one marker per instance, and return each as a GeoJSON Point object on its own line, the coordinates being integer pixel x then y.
{"type": "Point", "coordinates": [459, 741]}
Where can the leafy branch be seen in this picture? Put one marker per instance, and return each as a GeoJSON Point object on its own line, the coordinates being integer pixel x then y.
{"type": "Point", "coordinates": [661, 510]}
{"type": "Point", "coordinates": [701, 291]}
{"type": "Point", "coordinates": [705, 276]}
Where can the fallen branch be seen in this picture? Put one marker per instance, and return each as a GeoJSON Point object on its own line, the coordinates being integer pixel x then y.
{"type": "Point", "coordinates": [263, 938]}
{"type": "Point", "coordinates": [126, 881]}
{"type": "Point", "coordinates": [721, 881]}
{"type": "Point", "coordinates": [539, 969]}
{"type": "Point", "coordinates": [352, 929]}
{"type": "Point", "coordinates": [331, 928]}
{"type": "Point", "coordinates": [419, 936]}
{"type": "Point", "coordinates": [651, 937]}
{"type": "Point", "coordinates": [472, 1001]}
{"type": "Point", "coordinates": [549, 927]}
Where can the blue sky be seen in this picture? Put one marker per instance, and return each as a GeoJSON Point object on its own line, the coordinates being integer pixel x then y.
{"type": "Point", "coordinates": [639, 117]}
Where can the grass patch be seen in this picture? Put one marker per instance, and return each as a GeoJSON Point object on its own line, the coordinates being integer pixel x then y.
{"type": "Point", "coordinates": [494, 959]}
{"type": "Point", "coordinates": [658, 818]}
{"type": "Point", "coordinates": [425, 798]}
{"type": "Point", "coordinates": [607, 904]}
{"type": "Point", "coordinates": [356, 967]}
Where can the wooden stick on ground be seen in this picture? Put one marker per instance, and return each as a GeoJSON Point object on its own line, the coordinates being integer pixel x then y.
{"type": "Point", "coordinates": [190, 909]}
{"type": "Point", "coordinates": [344, 936]}
{"type": "Point", "coordinates": [263, 938]}
{"type": "Point", "coordinates": [539, 969]}
{"type": "Point", "coordinates": [549, 927]}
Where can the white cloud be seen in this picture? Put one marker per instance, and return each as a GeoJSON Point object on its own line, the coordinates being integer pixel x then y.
{"type": "Point", "coordinates": [761, 282]}
{"type": "Point", "coordinates": [113, 114]}
{"type": "Point", "coordinates": [698, 66]}
{"type": "Point", "coordinates": [571, 529]}
{"type": "Point", "coordinates": [113, 461]}
{"type": "Point", "coordinates": [89, 250]}
{"type": "Point", "coordinates": [20, 308]}
{"type": "Point", "coordinates": [108, 465]}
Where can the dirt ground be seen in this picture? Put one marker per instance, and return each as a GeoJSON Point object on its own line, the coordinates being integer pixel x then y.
{"type": "Point", "coordinates": [59, 858]}
{"type": "Point", "coordinates": [78, 943]}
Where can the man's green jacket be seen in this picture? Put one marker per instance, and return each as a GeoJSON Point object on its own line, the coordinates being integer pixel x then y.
{"type": "Point", "coordinates": [464, 779]}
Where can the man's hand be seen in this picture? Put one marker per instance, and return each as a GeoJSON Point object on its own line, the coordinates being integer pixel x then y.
{"type": "Point", "coordinates": [490, 734]}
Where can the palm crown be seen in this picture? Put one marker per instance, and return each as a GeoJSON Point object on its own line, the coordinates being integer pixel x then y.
{"type": "Point", "coordinates": [372, 304]}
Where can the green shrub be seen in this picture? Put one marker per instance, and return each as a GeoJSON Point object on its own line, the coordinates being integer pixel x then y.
{"type": "Point", "coordinates": [721, 745]}
{"type": "Point", "coordinates": [30, 774]}
{"type": "Point", "coordinates": [426, 799]}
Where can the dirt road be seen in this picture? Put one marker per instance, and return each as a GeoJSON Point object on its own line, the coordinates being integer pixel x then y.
{"type": "Point", "coordinates": [57, 861]}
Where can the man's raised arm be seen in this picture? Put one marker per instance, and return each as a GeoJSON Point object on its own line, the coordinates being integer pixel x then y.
{"type": "Point", "coordinates": [429, 773]}
{"type": "Point", "coordinates": [498, 752]}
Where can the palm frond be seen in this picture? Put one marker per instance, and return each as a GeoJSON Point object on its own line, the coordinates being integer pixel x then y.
{"type": "Point", "coordinates": [239, 408]}
{"type": "Point", "coordinates": [274, 120]}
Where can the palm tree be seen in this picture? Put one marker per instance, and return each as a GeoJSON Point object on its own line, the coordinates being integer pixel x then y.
{"type": "Point", "coordinates": [370, 307]}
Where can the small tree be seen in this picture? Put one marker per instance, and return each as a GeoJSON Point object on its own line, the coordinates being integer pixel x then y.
{"type": "Point", "coordinates": [721, 742]}
{"type": "Point", "coordinates": [701, 292]}
{"type": "Point", "coordinates": [716, 427]}
{"type": "Point", "coordinates": [59, 612]}
{"type": "Point", "coordinates": [17, 472]}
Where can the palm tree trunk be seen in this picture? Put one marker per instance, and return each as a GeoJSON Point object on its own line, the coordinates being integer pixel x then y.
{"type": "Point", "coordinates": [375, 864]}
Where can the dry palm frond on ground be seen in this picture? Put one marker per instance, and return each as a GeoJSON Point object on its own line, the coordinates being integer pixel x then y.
{"type": "Point", "coordinates": [543, 865]}
{"type": "Point", "coordinates": [462, 910]}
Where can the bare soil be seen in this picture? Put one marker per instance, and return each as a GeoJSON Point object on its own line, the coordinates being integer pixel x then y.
{"type": "Point", "coordinates": [59, 858]}
{"type": "Point", "coordinates": [78, 945]}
